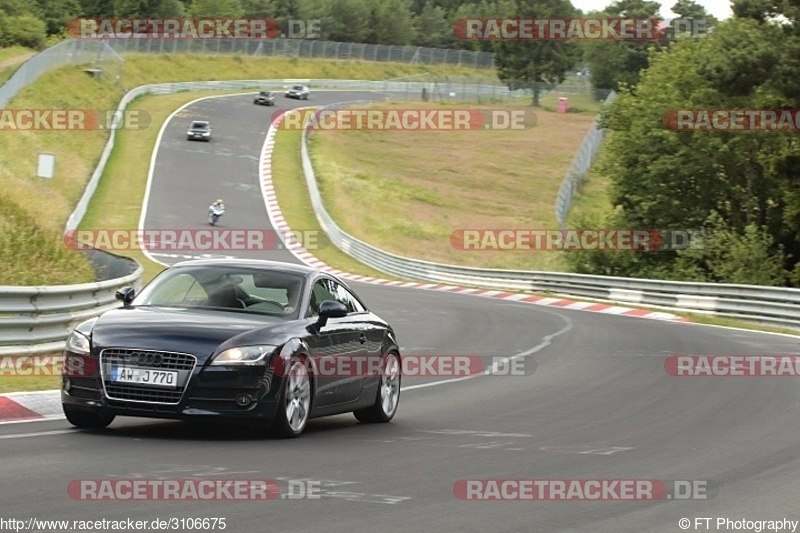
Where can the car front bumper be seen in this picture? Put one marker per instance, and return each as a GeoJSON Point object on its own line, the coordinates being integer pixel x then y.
{"type": "Point", "coordinates": [210, 391]}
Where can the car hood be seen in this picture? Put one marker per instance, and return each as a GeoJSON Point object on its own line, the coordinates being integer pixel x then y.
{"type": "Point", "coordinates": [200, 332]}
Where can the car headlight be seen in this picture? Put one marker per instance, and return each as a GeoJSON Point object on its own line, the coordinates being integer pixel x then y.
{"type": "Point", "coordinates": [244, 355]}
{"type": "Point", "coordinates": [78, 343]}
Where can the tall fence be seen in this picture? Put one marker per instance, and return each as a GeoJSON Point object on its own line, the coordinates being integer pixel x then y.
{"type": "Point", "coordinates": [580, 166]}
{"type": "Point", "coordinates": [106, 56]}
{"type": "Point", "coordinates": [71, 52]}
{"type": "Point", "coordinates": [309, 49]}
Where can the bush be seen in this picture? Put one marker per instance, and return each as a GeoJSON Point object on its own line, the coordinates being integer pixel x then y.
{"type": "Point", "coordinates": [24, 30]}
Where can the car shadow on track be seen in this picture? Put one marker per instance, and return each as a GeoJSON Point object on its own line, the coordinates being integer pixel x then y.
{"type": "Point", "coordinates": [192, 430]}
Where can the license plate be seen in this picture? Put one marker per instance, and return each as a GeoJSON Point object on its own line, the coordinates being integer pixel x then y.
{"type": "Point", "coordinates": [144, 376]}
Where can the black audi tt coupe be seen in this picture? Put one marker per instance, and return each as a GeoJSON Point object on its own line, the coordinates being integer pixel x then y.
{"type": "Point", "coordinates": [233, 339]}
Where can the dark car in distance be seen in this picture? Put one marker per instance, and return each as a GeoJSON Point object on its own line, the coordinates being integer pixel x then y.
{"type": "Point", "coordinates": [231, 339]}
{"type": "Point", "coordinates": [264, 98]}
{"type": "Point", "coordinates": [199, 130]}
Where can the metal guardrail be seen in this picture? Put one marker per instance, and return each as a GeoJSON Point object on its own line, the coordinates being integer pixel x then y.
{"type": "Point", "coordinates": [38, 319]}
{"type": "Point", "coordinates": [774, 305]}
{"type": "Point", "coordinates": [580, 166]}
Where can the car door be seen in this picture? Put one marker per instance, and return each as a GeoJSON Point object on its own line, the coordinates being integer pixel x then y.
{"type": "Point", "coordinates": [362, 357]}
{"type": "Point", "coordinates": [335, 344]}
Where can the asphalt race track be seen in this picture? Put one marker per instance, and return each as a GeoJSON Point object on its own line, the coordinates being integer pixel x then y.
{"type": "Point", "coordinates": [596, 403]}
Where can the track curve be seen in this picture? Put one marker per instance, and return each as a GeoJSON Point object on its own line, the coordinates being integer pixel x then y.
{"type": "Point", "coordinates": [599, 404]}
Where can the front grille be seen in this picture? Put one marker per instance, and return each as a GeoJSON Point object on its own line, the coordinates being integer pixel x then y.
{"type": "Point", "coordinates": [143, 393]}
{"type": "Point", "coordinates": [149, 358]}
{"type": "Point", "coordinates": [135, 392]}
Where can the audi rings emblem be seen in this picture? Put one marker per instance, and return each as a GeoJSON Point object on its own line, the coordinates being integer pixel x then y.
{"type": "Point", "coordinates": [149, 359]}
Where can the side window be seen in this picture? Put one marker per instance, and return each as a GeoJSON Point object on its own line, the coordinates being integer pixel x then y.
{"type": "Point", "coordinates": [326, 289]}
{"type": "Point", "coordinates": [321, 292]}
{"type": "Point", "coordinates": [346, 297]}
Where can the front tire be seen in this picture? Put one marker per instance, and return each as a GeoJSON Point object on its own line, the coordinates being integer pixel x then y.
{"type": "Point", "coordinates": [86, 419]}
{"type": "Point", "coordinates": [294, 405]}
{"type": "Point", "coordinates": [388, 397]}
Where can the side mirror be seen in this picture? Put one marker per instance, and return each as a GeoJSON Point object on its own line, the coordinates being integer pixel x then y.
{"type": "Point", "coordinates": [329, 309]}
{"type": "Point", "coordinates": [125, 295]}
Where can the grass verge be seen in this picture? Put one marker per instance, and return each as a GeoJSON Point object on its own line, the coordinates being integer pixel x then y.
{"type": "Point", "coordinates": [422, 186]}
{"type": "Point", "coordinates": [11, 52]}
{"type": "Point", "coordinates": [295, 202]}
{"type": "Point", "coordinates": [593, 201]}
{"type": "Point", "coordinates": [28, 383]}
{"type": "Point", "coordinates": [20, 374]}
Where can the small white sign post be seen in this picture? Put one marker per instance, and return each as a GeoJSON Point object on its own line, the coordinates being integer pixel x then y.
{"type": "Point", "coordinates": [46, 166]}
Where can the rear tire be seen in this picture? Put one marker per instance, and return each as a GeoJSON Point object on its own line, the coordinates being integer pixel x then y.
{"type": "Point", "coordinates": [294, 405]}
{"type": "Point", "coordinates": [86, 419]}
{"type": "Point", "coordinates": [387, 398]}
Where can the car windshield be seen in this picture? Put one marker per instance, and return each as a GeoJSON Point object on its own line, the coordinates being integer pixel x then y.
{"type": "Point", "coordinates": [245, 290]}
{"type": "Point", "coordinates": [298, 87]}
{"type": "Point", "coordinates": [199, 125]}
{"type": "Point", "coordinates": [264, 93]}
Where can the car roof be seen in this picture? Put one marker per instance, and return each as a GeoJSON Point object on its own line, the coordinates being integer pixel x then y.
{"type": "Point", "coordinates": [252, 263]}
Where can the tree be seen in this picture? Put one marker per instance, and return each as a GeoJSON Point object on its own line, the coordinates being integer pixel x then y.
{"type": "Point", "coordinates": [431, 26]}
{"type": "Point", "coordinates": [96, 9]}
{"type": "Point", "coordinates": [17, 8]}
{"type": "Point", "coordinates": [759, 10]}
{"type": "Point", "coordinates": [217, 9]}
{"type": "Point", "coordinates": [346, 20]}
{"type": "Point", "coordinates": [689, 9]}
{"type": "Point", "coordinates": [613, 64]}
{"type": "Point", "coordinates": [258, 9]}
{"type": "Point", "coordinates": [26, 30]}
{"type": "Point", "coordinates": [537, 64]}
{"type": "Point", "coordinates": [56, 14]}
{"type": "Point", "coordinates": [149, 9]}
{"type": "Point", "coordinates": [477, 10]}
{"type": "Point", "coordinates": [390, 22]}
{"type": "Point", "coordinates": [665, 179]}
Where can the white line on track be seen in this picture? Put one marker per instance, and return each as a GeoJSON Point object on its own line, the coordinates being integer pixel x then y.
{"type": "Point", "coordinates": [488, 372]}
{"type": "Point", "coordinates": [41, 434]}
